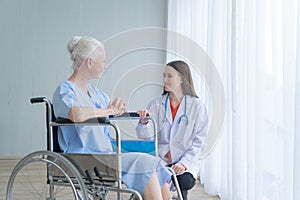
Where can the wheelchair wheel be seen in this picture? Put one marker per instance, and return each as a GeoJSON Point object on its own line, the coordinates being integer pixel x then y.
{"type": "Point", "coordinates": [45, 175]}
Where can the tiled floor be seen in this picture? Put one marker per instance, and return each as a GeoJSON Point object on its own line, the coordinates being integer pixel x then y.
{"type": "Point", "coordinates": [7, 165]}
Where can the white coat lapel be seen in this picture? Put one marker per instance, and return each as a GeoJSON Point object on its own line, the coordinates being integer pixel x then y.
{"type": "Point", "coordinates": [167, 109]}
{"type": "Point", "coordinates": [180, 111]}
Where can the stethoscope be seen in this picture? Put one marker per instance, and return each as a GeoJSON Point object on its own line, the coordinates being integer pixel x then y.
{"type": "Point", "coordinates": [182, 116]}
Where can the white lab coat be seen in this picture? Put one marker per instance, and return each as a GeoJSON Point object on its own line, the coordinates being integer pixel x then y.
{"type": "Point", "coordinates": [183, 141]}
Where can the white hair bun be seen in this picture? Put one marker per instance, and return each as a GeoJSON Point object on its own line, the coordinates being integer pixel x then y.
{"type": "Point", "coordinates": [73, 43]}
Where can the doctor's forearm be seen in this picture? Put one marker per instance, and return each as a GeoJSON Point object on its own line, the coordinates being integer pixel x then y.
{"type": "Point", "coordinates": [190, 156]}
{"type": "Point", "coordinates": [144, 131]}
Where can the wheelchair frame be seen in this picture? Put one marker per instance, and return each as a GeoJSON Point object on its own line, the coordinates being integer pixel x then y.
{"type": "Point", "coordinates": [73, 171]}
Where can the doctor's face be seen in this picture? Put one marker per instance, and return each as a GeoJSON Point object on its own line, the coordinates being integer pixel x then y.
{"type": "Point", "coordinates": [172, 79]}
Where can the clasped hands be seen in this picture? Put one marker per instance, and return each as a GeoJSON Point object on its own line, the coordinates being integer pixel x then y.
{"type": "Point", "coordinates": [117, 106]}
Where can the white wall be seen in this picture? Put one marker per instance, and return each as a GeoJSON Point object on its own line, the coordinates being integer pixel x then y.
{"type": "Point", "coordinates": [34, 58]}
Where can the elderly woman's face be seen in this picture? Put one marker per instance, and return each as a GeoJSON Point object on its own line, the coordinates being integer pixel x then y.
{"type": "Point", "coordinates": [98, 63]}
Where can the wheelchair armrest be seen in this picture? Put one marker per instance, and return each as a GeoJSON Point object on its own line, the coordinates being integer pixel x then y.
{"type": "Point", "coordinates": [127, 115]}
{"type": "Point", "coordinates": [61, 120]}
{"type": "Point", "coordinates": [101, 120]}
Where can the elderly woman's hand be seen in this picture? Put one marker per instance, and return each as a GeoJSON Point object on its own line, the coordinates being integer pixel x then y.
{"type": "Point", "coordinates": [118, 106]}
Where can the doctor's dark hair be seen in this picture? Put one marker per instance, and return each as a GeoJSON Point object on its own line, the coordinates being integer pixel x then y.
{"type": "Point", "coordinates": [185, 73]}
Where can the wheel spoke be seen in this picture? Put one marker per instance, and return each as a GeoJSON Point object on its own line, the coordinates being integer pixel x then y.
{"type": "Point", "coordinates": [29, 178]}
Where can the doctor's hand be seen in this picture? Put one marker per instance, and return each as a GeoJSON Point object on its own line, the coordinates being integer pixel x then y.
{"type": "Point", "coordinates": [143, 114]}
{"type": "Point", "coordinates": [178, 168]}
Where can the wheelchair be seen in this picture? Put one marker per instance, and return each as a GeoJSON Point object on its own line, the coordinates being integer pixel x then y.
{"type": "Point", "coordinates": [53, 175]}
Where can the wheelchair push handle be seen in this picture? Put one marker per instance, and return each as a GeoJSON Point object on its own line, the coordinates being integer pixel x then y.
{"type": "Point", "coordinates": [37, 100]}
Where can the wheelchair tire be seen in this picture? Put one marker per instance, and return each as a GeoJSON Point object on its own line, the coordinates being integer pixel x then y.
{"type": "Point", "coordinates": [46, 175]}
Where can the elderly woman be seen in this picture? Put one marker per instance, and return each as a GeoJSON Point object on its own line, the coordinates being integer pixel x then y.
{"type": "Point", "coordinates": [79, 100]}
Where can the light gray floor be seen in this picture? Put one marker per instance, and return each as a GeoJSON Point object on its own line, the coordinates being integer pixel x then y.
{"type": "Point", "coordinates": [198, 193]}
{"type": "Point", "coordinates": [7, 165]}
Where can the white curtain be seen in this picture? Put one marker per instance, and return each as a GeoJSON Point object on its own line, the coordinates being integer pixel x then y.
{"type": "Point", "coordinates": [296, 170]}
{"type": "Point", "coordinates": [254, 46]}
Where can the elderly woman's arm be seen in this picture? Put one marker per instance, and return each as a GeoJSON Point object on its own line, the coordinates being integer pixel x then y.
{"type": "Point", "coordinates": [79, 114]}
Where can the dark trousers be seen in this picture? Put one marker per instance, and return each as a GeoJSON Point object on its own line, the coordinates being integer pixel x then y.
{"type": "Point", "coordinates": [186, 182]}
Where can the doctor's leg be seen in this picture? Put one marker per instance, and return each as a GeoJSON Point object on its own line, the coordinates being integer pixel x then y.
{"type": "Point", "coordinates": [186, 182]}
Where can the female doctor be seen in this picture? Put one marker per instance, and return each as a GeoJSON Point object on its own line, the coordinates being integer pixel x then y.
{"type": "Point", "coordinates": [182, 124]}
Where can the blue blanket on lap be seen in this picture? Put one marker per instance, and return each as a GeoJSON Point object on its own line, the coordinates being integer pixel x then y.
{"type": "Point", "coordinates": [136, 146]}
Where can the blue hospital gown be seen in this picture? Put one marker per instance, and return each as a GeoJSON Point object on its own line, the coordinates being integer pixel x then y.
{"type": "Point", "coordinates": [137, 168]}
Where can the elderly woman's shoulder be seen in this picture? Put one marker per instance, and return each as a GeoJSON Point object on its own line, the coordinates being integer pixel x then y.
{"type": "Point", "coordinates": [67, 83]}
{"type": "Point", "coordinates": [65, 87]}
